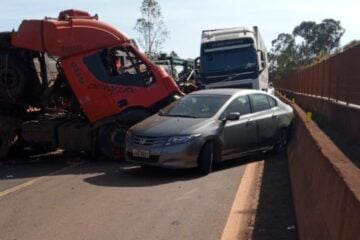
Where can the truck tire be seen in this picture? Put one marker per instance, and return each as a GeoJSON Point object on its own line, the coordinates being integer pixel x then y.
{"type": "Point", "coordinates": [15, 77]}
{"type": "Point", "coordinates": [110, 137]}
{"type": "Point", "coordinates": [111, 141]}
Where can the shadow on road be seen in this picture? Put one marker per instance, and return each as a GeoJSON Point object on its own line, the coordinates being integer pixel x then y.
{"type": "Point", "coordinates": [107, 173]}
{"type": "Point", "coordinates": [275, 216]}
{"type": "Point", "coordinates": [128, 175]}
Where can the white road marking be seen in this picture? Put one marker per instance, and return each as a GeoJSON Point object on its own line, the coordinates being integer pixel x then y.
{"type": "Point", "coordinates": [31, 182]}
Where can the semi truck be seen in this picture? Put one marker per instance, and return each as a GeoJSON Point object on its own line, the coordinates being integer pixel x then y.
{"type": "Point", "coordinates": [75, 83]}
{"type": "Point", "coordinates": [233, 57]}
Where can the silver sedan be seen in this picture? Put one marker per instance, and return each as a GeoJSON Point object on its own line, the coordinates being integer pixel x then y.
{"type": "Point", "coordinates": [210, 126]}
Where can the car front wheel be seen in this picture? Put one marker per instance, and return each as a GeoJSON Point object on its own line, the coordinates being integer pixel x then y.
{"type": "Point", "coordinates": [206, 158]}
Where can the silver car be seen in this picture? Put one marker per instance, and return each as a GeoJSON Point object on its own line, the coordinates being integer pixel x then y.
{"type": "Point", "coordinates": [210, 126]}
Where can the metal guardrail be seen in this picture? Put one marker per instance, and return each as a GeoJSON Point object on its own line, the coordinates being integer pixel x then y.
{"type": "Point", "coordinates": [336, 78]}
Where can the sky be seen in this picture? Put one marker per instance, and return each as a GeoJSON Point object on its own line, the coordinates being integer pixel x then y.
{"type": "Point", "coordinates": [185, 19]}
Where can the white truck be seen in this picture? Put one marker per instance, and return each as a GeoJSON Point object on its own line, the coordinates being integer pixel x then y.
{"type": "Point", "coordinates": [233, 57]}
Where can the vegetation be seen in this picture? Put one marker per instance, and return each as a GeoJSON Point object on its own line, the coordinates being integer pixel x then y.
{"type": "Point", "coordinates": [308, 43]}
{"type": "Point", "coordinates": [151, 27]}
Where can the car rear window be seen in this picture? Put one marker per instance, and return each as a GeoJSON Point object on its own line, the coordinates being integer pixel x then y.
{"type": "Point", "coordinates": [260, 102]}
{"type": "Point", "coordinates": [273, 102]}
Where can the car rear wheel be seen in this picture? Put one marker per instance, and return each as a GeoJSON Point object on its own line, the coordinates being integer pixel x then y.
{"type": "Point", "coordinates": [281, 141]}
{"type": "Point", "coordinates": [206, 158]}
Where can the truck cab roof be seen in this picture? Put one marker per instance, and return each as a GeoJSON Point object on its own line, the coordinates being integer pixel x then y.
{"type": "Point", "coordinates": [226, 33]}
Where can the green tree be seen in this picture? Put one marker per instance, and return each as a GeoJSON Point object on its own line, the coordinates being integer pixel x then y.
{"type": "Point", "coordinates": [283, 56]}
{"type": "Point", "coordinates": [318, 40]}
{"type": "Point", "coordinates": [151, 27]}
{"type": "Point", "coordinates": [308, 43]}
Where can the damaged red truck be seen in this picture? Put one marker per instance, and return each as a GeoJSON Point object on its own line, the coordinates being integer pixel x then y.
{"type": "Point", "coordinates": [77, 84]}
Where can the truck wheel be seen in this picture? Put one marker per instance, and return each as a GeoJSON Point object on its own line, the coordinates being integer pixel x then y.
{"type": "Point", "coordinates": [111, 141]}
{"type": "Point", "coordinates": [206, 158]}
{"type": "Point", "coordinates": [14, 78]}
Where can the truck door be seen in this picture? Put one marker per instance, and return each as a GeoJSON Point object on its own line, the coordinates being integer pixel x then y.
{"type": "Point", "coordinates": [109, 81]}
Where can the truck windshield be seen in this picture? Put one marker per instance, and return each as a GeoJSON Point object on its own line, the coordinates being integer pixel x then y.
{"type": "Point", "coordinates": [229, 59]}
{"type": "Point", "coordinates": [119, 65]}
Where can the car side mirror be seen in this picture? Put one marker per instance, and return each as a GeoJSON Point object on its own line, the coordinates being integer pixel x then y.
{"type": "Point", "coordinates": [232, 116]}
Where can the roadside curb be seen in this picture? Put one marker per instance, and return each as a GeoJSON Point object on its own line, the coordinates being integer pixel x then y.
{"type": "Point", "coordinates": [244, 207]}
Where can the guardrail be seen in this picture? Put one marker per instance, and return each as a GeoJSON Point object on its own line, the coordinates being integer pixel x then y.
{"type": "Point", "coordinates": [337, 78]}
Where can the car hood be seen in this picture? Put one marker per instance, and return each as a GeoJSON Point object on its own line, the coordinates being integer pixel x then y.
{"type": "Point", "coordinates": [167, 126]}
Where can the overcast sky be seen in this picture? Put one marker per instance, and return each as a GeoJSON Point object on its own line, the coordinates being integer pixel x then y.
{"type": "Point", "coordinates": [187, 18]}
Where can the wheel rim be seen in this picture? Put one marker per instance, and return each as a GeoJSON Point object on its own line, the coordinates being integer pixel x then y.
{"type": "Point", "coordinates": [111, 141]}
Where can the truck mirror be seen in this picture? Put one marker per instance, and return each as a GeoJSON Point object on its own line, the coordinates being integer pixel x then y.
{"type": "Point", "coordinates": [262, 60]}
{"type": "Point", "coordinates": [263, 64]}
{"type": "Point", "coordinates": [197, 62]}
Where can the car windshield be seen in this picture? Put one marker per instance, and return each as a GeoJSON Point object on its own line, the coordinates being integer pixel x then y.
{"type": "Point", "coordinates": [196, 106]}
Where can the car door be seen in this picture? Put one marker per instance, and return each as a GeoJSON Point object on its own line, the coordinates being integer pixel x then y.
{"type": "Point", "coordinates": [266, 118]}
{"type": "Point", "coordinates": [238, 136]}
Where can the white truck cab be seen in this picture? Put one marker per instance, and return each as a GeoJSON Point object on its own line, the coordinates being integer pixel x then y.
{"type": "Point", "coordinates": [233, 57]}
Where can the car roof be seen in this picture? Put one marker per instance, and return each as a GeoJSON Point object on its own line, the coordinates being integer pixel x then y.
{"type": "Point", "coordinates": [226, 91]}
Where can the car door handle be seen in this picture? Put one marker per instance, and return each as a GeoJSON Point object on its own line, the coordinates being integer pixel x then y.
{"type": "Point", "coordinates": [275, 116]}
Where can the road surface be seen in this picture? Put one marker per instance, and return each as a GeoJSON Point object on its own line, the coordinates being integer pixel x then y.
{"type": "Point", "coordinates": [107, 200]}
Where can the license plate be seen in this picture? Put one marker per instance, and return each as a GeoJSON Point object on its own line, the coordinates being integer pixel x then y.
{"type": "Point", "coordinates": [141, 153]}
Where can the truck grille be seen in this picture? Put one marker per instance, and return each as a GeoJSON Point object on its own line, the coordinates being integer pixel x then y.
{"type": "Point", "coordinates": [149, 140]}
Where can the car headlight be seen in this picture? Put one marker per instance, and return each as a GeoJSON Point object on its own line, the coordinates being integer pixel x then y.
{"type": "Point", "coordinates": [180, 139]}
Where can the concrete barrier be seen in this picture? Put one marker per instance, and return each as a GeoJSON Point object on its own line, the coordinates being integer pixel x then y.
{"type": "Point", "coordinates": [325, 184]}
{"type": "Point", "coordinates": [338, 116]}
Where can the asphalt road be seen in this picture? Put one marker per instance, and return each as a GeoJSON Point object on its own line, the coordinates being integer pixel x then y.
{"type": "Point", "coordinates": [107, 200]}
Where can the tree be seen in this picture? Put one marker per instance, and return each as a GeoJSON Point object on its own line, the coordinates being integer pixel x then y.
{"type": "Point", "coordinates": [308, 43]}
{"type": "Point", "coordinates": [151, 27]}
{"type": "Point", "coordinates": [283, 56]}
{"type": "Point", "coordinates": [318, 40]}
